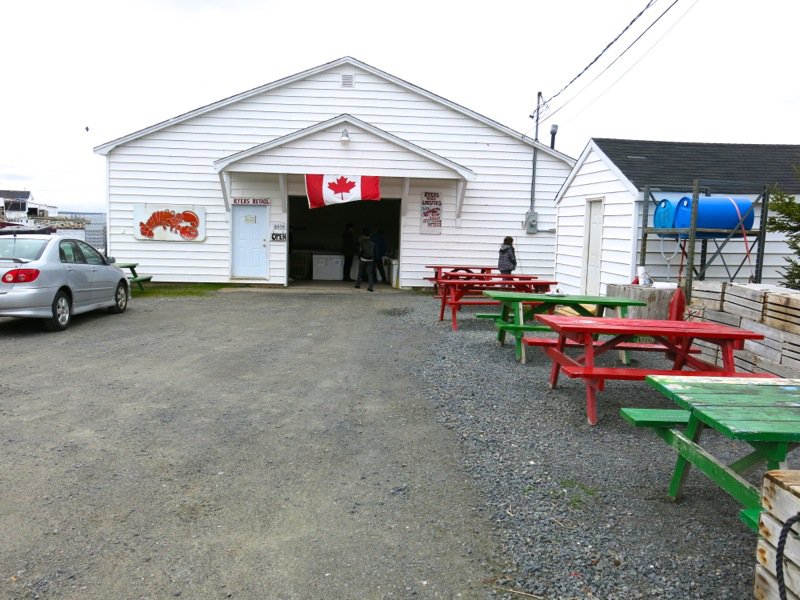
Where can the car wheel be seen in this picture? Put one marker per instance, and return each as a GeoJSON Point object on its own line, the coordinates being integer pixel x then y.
{"type": "Point", "coordinates": [62, 313]}
{"type": "Point", "coordinates": [120, 299]}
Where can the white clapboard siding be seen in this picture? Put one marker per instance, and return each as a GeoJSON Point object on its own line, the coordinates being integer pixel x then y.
{"type": "Point", "coordinates": [174, 164]}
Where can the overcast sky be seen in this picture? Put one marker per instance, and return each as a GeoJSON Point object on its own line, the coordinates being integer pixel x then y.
{"type": "Point", "coordinates": [707, 71]}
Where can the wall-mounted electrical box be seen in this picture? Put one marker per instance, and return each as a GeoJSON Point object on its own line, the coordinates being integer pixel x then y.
{"type": "Point", "coordinates": [531, 222]}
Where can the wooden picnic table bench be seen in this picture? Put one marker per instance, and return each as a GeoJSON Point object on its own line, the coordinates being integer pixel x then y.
{"type": "Point", "coordinates": [519, 309]}
{"type": "Point", "coordinates": [674, 337]}
{"type": "Point", "coordinates": [134, 277]}
{"type": "Point", "coordinates": [764, 413]}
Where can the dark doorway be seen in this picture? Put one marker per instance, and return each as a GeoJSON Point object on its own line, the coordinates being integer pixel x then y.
{"type": "Point", "coordinates": [319, 231]}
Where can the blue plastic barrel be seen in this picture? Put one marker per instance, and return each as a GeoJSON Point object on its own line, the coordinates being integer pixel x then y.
{"type": "Point", "coordinates": [664, 216]}
{"type": "Point", "coordinates": [714, 213]}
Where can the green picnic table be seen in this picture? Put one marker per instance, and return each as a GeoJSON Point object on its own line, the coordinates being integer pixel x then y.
{"type": "Point", "coordinates": [764, 413]}
{"type": "Point", "coordinates": [134, 277]}
{"type": "Point", "coordinates": [519, 307]}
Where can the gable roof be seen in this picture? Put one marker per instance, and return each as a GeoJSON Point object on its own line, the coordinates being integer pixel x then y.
{"type": "Point", "coordinates": [15, 194]}
{"type": "Point", "coordinates": [345, 119]}
{"type": "Point", "coordinates": [346, 60]}
{"type": "Point", "coordinates": [734, 168]}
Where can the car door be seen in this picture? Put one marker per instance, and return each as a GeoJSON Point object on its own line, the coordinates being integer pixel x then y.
{"type": "Point", "coordinates": [77, 273]}
{"type": "Point", "coordinates": [103, 279]}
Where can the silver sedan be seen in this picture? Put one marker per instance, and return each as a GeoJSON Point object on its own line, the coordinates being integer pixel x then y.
{"type": "Point", "coordinates": [52, 278]}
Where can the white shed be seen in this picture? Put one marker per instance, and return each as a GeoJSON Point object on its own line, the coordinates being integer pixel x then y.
{"type": "Point", "coordinates": [600, 209]}
{"type": "Point", "coordinates": [218, 194]}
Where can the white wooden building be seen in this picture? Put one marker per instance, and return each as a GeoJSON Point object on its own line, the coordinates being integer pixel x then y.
{"type": "Point", "coordinates": [599, 209]}
{"type": "Point", "coordinates": [220, 190]}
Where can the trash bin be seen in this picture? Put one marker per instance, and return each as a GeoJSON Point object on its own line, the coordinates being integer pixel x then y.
{"type": "Point", "coordinates": [394, 273]}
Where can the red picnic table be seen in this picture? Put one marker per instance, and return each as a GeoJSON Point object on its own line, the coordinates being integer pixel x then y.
{"type": "Point", "coordinates": [673, 338]}
{"type": "Point", "coordinates": [439, 270]}
{"type": "Point", "coordinates": [464, 289]}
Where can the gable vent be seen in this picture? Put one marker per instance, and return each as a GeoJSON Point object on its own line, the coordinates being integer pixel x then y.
{"type": "Point", "coordinates": [348, 80]}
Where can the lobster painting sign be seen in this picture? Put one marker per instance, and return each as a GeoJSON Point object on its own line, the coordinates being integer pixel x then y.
{"type": "Point", "coordinates": [169, 223]}
{"type": "Point", "coordinates": [431, 209]}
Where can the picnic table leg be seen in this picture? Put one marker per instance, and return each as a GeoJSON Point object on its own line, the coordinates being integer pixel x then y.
{"type": "Point", "coordinates": [443, 290]}
{"type": "Point", "coordinates": [680, 358]}
{"type": "Point", "coordinates": [454, 306]}
{"type": "Point", "coordinates": [562, 342]}
{"type": "Point", "coordinates": [591, 401]}
{"type": "Point", "coordinates": [624, 355]}
{"type": "Point", "coordinates": [592, 385]}
{"type": "Point", "coordinates": [501, 333]}
{"type": "Point", "coordinates": [726, 351]}
{"type": "Point", "coordinates": [694, 430]}
{"type": "Point", "coordinates": [518, 333]}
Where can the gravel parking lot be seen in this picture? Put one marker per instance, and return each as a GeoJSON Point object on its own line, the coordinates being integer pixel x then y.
{"type": "Point", "coordinates": [337, 444]}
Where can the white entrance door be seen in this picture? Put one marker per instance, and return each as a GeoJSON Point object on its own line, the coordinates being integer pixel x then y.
{"type": "Point", "coordinates": [594, 243]}
{"type": "Point", "coordinates": [250, 241]}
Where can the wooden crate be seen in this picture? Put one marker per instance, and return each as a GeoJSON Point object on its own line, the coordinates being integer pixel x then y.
{"type": "Point", "coordinates": [780, 498]}
{"type": "Point", "coordinates": [722, 317]}
{"type": "Point", "coordinates": [745, 361]}
{"type": "Point", "coordinates": [657, 300]}
{"type": "Point", "coordinates": [746, 299]}
{"type": "Point", "coordinates": [709, 352]}
{"type": "Point", "coordinates": [782, 310]}
{"type": "Point", "coordinates": [708, 294]}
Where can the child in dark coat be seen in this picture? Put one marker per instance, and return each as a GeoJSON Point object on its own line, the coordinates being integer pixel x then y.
{"type": "Point", "coordinates": [507, 261]}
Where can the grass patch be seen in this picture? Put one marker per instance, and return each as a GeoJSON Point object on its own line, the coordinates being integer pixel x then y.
{"type": "Point", "coordinates": [176, 289]}
{"type": "Point", "coordinates": [576, 492]}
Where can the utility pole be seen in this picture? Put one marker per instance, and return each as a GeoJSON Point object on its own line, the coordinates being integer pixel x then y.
{"type": "Point", "coordinates": [531, 218]}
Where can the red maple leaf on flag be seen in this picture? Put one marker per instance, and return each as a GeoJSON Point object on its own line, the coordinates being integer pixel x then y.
{"type": "Point", "coordinates": [342, 186]}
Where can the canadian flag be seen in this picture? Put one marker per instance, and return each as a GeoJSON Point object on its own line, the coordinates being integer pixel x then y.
{"type": "Point", "coordinates": [324, 190]}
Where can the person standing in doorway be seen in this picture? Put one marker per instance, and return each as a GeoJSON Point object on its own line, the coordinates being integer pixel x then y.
{"type": "Point", "coordinates": [366, 260]}
{"type": "Point", "coordinates": [507, 260]}
{"type": "Point", "coordinates": [380, 253]}
{"type": "Point", "coordinates": [348, 249]}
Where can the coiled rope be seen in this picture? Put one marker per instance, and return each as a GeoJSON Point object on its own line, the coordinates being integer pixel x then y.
{"type": "Point", "coordinates": [779, 554]}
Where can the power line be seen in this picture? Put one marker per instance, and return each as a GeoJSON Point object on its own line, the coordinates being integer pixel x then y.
{"type": "Point", "coordinates": [658, 41]}
{"type": "Point", "coordinates": [596, 58]}
{"type": "Point", "coordinates": [596, 77]}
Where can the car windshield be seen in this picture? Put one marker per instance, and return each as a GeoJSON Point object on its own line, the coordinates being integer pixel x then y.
{"type": "Point", "coordinates": [21, 248]}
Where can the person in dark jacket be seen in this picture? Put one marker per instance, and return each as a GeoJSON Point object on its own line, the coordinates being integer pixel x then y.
{"type": "Point", "coordinates": [507, 260]}
{"type": "Point", "coordinates": [380, 253]}
{"type": "Point", "coordinates": [366, 260]}
{"type": "Point", "coordinates": [349, 248]}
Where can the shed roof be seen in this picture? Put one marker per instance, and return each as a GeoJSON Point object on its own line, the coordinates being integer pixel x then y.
{"type": "Point", "coordinates": [727, 167]}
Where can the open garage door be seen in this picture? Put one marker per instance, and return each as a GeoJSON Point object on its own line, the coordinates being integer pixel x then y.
{"type": "Point", "coordinates": [318, 233]}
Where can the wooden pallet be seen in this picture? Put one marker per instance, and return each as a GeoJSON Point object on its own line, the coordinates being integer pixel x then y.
{"type": "Point", "coordinates": [746, 299]}
{"type": "Point", "coordinates": [782, 311]}
{"type": "Point", "coordinates": [708, 294]}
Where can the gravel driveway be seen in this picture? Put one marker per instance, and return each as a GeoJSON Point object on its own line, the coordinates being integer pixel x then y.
{"type": "Point", "coordinates": [337, 444]}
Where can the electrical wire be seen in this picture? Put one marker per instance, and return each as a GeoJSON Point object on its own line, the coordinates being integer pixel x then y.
{"type": "Point", "coordinates": [613, 83]}
{"type": "Point", "coordinates": [596, 58]}
{"type": "Point", "coordinates": [596, 77]}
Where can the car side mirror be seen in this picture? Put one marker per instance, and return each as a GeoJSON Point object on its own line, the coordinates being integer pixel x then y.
{"type": "Point", "coordinates": [110, 260]}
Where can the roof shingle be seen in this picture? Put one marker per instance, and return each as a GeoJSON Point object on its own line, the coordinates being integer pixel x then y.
{"type": "Point", "coordinates": [732, 168]}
